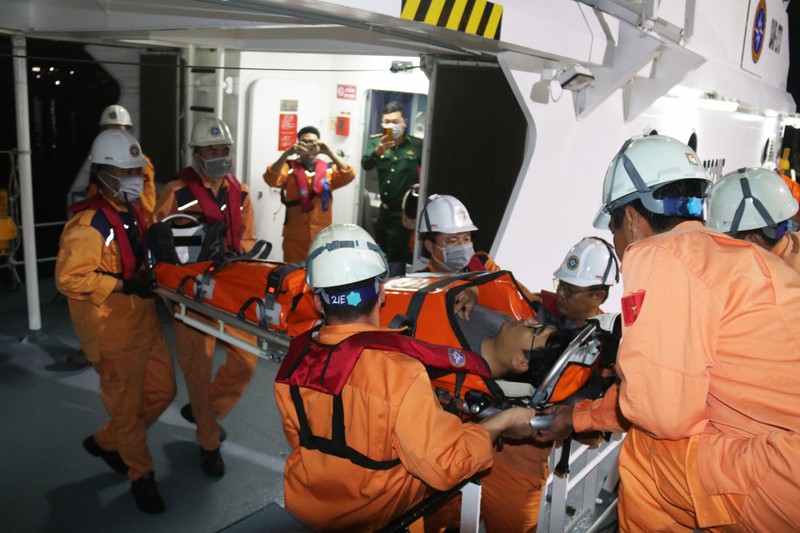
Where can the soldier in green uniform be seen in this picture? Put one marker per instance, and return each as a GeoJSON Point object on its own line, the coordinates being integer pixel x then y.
{"type": "Point", "coordinates": [397, 157]}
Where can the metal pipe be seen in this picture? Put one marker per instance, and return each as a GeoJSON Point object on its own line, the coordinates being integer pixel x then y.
{"type": "Point", "coordinates": [26, 181]}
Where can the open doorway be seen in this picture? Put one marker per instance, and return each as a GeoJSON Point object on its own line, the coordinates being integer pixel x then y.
{"type": "Point", "coordinates": [415, 105]}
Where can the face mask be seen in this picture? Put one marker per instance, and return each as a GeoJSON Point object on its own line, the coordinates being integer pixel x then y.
{"type": "Point", "coordinates": [397, 129]}
{"type": "Point", "coordinates": [217, 168]}
{"type": "Point", "coordinates": [457, 257]}
{"type": "Point", "coordinates": [129, 188]}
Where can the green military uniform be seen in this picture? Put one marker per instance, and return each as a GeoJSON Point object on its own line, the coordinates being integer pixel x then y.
{"type": "Point", "coordinates": [398, 170]}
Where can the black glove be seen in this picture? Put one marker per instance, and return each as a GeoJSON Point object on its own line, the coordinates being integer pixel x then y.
{"type": "Point", "coordinates": [141, 284]}
{"type": "Point", "coordinates": [162, 244]}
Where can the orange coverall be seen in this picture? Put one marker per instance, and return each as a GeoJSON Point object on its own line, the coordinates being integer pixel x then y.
{"type": "Point", "coordinates": [390, 412]}
{"type": "Point", "coordinates": [709, 364]}
{"type": "Point", "coordinates": [121, 337]}
{"type": "Point", "coordinates": [148, 196]}
{"type": "Point", "coordinates": [211, 398]}
{"type": "Point", "coordinates": [788, 249]}
{"type": "Point", "coordinates": [302, 226]}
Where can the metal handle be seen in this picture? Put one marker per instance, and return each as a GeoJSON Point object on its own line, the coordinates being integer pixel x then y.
{"type": "Point", "coordinates": [541, 421]}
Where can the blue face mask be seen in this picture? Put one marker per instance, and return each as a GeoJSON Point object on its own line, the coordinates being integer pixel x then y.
{"type": "Point", "coordinates": [456, 257]}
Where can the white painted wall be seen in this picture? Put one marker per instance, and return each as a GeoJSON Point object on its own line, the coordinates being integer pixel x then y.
{"type": "Point", "coordinates": [560, 189]}
{"type": "Point", "coordinates": [312, 81]}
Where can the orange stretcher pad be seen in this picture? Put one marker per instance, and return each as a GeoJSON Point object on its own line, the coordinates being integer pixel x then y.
{"type": "Point", "coordinates": [271, 295]}
{"type": "Point", "coordinates": [275, 298]}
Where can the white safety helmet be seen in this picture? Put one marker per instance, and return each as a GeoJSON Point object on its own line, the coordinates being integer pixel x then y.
{"type": "Point", "coordinates": [115, 115]}
{"type": "Point", "coordinates": [342, 254]}
{"type": "Point", "coordinates": [750, 198]}
{"type": "Point", "coordinates": [643, 165]}
{"type": "Point", "coordinates": [443, 213]}
{"type": "Point", "coordinates": [118, 148]}
{"type": "Point", "coordinates": [210, 131]}
{"type": "Point", "coordinates": [590, 262]}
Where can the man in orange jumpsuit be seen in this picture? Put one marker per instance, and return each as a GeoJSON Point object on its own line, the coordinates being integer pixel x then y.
{"type": "Point", "coordinates": [390, 440]}
{"type": "Point", "coordinates": [307, 186]}
{"type": "Point", "coordinates": [101, 270]}
{"type": "Point", "coordinates": [445, 231]}
{"type": "Point", "coordinates": [117, 117]}
{"type": "Point", "coordinates": [708, 359]}
{"type": "Point", "coordinates": [755, 205]}
{"type": "Point", "coordinates": [206, 189]}
{"type": "Point", "coordinates": [582, 283]}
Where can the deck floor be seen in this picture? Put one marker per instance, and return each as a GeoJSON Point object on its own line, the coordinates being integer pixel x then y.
{"type": "Point", "coordinates": [49, 483]}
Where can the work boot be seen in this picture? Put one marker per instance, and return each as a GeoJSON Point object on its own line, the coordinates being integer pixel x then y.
{"type": "Point", "coordinates": [145, 492]}
{"type": "Point", "coordinates": [188, 415]}
{"type": "Point", "coordinates": [112, 459]}
{"type": "Point", "coordinates": [212, 463]}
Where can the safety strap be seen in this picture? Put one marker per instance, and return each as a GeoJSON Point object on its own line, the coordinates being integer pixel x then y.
{"type": "Point", "coordinates": [748, 194]}
{"type": "Point", "coordinates": [126, 251]}
{"type": "Point", "coordinates": [337, 444]}
{"type": "Point", "coordinates": [562, 468]}
{"type": "Point", "coordinates": [232, 212]}
{"type": "Point", "coordinates": [266, 305]}
{"type": "Point", "coordinates": [415, 305]}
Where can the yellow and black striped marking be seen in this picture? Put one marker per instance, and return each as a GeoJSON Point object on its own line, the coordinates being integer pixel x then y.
{"type": "Point", "coordinates": [477, 17]}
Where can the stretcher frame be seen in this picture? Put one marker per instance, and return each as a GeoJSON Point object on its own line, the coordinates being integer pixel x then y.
{"type": "Point", "coordinates": [270, 345]}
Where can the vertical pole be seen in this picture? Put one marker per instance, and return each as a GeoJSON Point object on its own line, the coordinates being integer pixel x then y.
{"type": "Point", "coordinates": [26, 182]}
{"type": "Point", "coordinates": [188, 116]}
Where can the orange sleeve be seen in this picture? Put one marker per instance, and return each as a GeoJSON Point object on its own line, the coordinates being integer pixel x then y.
{"type": "Point", "coordinates": [166, 204]}
{"type": "Point", "coordinates": [274, 178]}
{"type": "Point", "coordinates": [248, 237]}
{"type": "Point", "coordinates": [79, 257]}
{"type": "Point", "coordinates": [602, 414]}
{"type": "Point", "coordinates": [340, 178]}
{"type": "Point", "coordinates": [148, 197]}
{"type": "Point", "coordinates": [665, 354]}
{"type": "Point", "coordinates": [435, 445]}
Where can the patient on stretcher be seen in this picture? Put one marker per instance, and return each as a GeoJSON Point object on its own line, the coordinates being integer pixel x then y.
{"type": "Point", "coordinates": [520, 353]}
{"type": "Point", "coordinates": [513, 347]}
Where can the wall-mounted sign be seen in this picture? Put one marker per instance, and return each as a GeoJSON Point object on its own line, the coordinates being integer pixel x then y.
{"type": "Point", "coordinates": [288, 106]}
{"type": "Point", "coordinates": [287, 129]}
{"type": "Point", "coordinates": [346, 92]}
{"type": "Point", "coordinates": [759, 27]}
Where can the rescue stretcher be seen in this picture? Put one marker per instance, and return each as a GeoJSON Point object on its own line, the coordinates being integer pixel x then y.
{"type": "Point", "coordinates": [271, 303]}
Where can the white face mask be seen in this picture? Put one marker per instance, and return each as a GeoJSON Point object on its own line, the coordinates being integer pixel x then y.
{"type": "Point", "coordinates": [397, 129]}
{"type": "Point", "coordinates": [217, 168]}
{"type": "Point", "coordinates": [456, 257]}
{"type": "Point", "coordinates": [128, 189]}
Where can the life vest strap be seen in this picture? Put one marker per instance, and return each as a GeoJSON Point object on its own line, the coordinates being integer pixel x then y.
{"type": "Point", "coordinates": [337, 445]}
